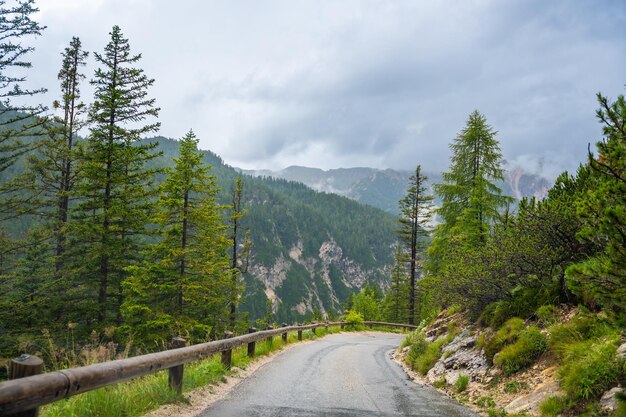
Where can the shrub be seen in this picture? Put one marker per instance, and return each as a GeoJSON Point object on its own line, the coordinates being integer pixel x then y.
{"type": "Point", "coordinates": [461, 383]}
{"type": "Point", "coordinates": [418, 347]}
{"type": "Point", "coordinates": [492, 412]}
{"type": "Point", "coordinates": [412, 338]}
{"type": "Point", "coordinates": [552, 406]}
{"type": "Point", "coordinates": [589, 368]}
{"type": "Point", "coordinates": [423, 355]}
{"type": "Point", "coordinates": [547, 315]}
{"type": "Point", "coordinates": [513, 387]}
{"type": "Point", "coordinates": [519, 355]}
{"type": "Point", "coordinates": [440, 383]}
{"type": "Point", "coordinates": [354, 320]}
{"type": "Point", "coordinates": [485, 402]}
{"type": "Point", "coordinates": [505, 335]}
{"type": "Point", "coordinates": [581, 327]}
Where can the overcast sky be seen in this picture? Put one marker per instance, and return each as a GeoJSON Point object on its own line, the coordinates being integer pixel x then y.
{"type": "Point", "coordinates": [386, 84]}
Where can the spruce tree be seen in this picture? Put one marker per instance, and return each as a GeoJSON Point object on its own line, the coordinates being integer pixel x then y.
{"type": "Point", "coordinates": [183, 285]}
{"type": "Point", "coordinates": [396, 302]}
{"type": "Point", "coordinates": [415, 213]}
{"type": "Point", "coordinates": [470, 197]}
{"type": "Point", "coordinates": [17, 121]}
{"type": "Point", "coordinates": [115, 185]}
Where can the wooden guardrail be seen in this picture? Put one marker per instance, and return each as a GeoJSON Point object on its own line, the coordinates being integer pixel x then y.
{"type": "Point", "coordinates": [31, 392]}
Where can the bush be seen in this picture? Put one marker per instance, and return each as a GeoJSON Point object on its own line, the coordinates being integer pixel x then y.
{"type": "Point", "coordinates": [461, 383]}
{"type": "Point", "coordinates": [354, 320]}
{"type": "Point", "coordinates": [513, 387]}
{"type": "Point", "coordinates": [440, 383]}
{"type": "Point", "coordinates": [528, 347]}
{"type": "Point", "coordinates": [589, 368]}
{"type": "Point", "coordinates": [505, 335]}
{"type": "Point", "coordinates": [547, 315]}
{"type": "Point", "coordinates": [552, 406]}
{"type": "Point", "coordinates": [581, 327]}
{"type": "Point", "coordinates": [418, 347]}
{"type": "Point", "coordinates": [485, 402]}
{"type": "Point", "coordinates": [422, 354]}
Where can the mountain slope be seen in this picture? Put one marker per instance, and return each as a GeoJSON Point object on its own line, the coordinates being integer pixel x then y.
{"type": "Point", "coordinates": [384, 188]}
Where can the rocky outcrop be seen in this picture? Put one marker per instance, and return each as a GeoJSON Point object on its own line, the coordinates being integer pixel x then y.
{"type": "Point", "coordinates": [330, 254]}
{"type": "Point", "coordinates": [460, 357]}
{"type": "Point", "coordinates": [530, 403]}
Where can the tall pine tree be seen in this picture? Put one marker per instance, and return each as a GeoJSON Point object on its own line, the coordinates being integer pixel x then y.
{"type": "Point", "coordinates": [115, 185]}
{"type": "Point", "coordinates": [415, 213]}
{"type": "Point", "coordinates": [183, 285]}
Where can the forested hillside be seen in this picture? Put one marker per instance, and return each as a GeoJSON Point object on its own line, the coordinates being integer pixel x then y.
{"type": "Point", "coordinates": [310, 249]}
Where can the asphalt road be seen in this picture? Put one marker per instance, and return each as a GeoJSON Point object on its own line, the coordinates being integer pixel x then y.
{"type": "Point", "coordinates": [349, 374]}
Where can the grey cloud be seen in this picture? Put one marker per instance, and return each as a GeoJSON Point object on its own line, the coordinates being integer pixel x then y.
{"type": "Point", "coordinates": [370, 82]}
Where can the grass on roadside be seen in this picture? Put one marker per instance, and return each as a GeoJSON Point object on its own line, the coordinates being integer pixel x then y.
{"type": "Point", "coordinates": [141, 395]}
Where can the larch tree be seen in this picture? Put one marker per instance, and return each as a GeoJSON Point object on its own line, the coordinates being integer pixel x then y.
{"type": "Point", "coordinates": [115, 186]}
{"type": "Point", "coordinates": [415, 213]}
{"type": "Point", "coordinates": [471, 200]}
{"type": "Point", "coordinates": [182, 286]}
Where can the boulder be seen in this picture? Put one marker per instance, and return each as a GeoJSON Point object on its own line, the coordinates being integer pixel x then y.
{"type": "Point", "coordinates": [530, 402]}
{"type": "Point", "coordinates": [608, 402]}
{"type": "Point", "coordinates": [621, 351]}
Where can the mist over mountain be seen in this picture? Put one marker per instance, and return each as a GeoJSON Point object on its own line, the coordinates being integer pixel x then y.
{"type": "Point", "coordinates": [384, 188]}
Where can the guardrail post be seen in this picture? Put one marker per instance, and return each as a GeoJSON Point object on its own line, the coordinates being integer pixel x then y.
{"type": "Point", "coordinates": [175, 377]}
{"type": "Point", "coordinates": [271, 338]}
{"type": "Point", "coordinates": [299, 334]}
{"type": "Point", "coordinates": [341, 326]}
{"type": "Point", "coordinates": [227, 355]}
{"type": "Point", "coordinates": [251, 345]}
{"type": "Point", "coordinates": [23, 366]}
{"type": "Point", "coordinates": [284, 335]}
{"type": "Point", "coordinates": [314, 328]}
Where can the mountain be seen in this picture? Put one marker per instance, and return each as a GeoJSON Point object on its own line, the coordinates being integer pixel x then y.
{"type": "Point", "coordinates": [384, 188]}
{"type": "Point", "coordinates": [310, 249]}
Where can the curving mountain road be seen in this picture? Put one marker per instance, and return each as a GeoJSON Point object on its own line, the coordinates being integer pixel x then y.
{"type": "Point", "coordinates": [349, 374]}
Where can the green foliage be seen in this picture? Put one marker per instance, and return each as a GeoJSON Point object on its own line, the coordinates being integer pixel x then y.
{"type": "Point", "coordinates": [470, 198]}
{"type": "Point", "coordinates": [395, 305]}
{"type": "Point", "coordinates": [354, 320]}
{"type": "Point", "coordinates": [547, 315]}
{"type": "Point", "coordinates": [184, 282]}
{"type": "Point", "coordinates": [552, 406]}
{"type": "Point", "coordinates": [367, 303]}
{"type": "Point", "coordinates": [461, 383]}
{"type": "Point", "coordinates": [440, 383]}
{"type": "Point", "coordinates": [485, 402]}
{"type": "Point", "coordinates": [580, 328]}
{"type": "Point", "coordinates": [115, 189]}
{"type": "Point", "coordinates": [601, 280]}
{"type": "Point", "coordinates": [505, 335]}
{"type": "Point", "coordinates": [17, 121]}
{"type": "Point", "coordinates": [513, 387]}
{"type": "Point", "coordinates": [515, 357]}
{"type": "Point", "coordinates": [589, 368]}
{"type": "Point", "coordinates": [423, 355]}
